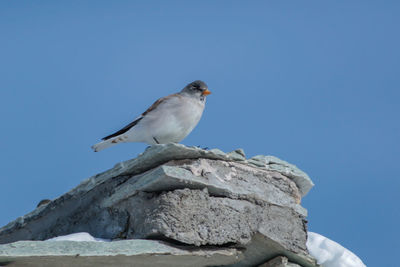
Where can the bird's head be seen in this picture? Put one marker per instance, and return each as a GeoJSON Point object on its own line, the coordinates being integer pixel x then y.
{"type": "Point", "coordinates": [198, 89]}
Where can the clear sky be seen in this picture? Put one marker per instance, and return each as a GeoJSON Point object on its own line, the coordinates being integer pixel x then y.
{"type": "Point", "coordinates": [315, 83]}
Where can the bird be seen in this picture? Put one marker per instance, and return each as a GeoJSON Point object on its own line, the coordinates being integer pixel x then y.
{"type": "Point", "coordinates": [168, 120]}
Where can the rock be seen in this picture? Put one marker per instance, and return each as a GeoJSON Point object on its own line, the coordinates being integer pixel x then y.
{"type": "Point", "coordinates": [43, 202]}
{"type": "Point", "coordinates": [196, 218]}
{"type": "Point", "coordinates": [279, 261]}
{"type": "Point", "coordinates": [237, 155]}
{"type": "Point", "coordinates": [117, 254]}
{"type": "Point", "coordinates": [193, 217]}
{"type": "Point", "coordinates": [261, 249]}
{"type": "Point", "coordinates": [186, 196]}
{"type": "Point", "coordinates": [159, 154]}
{"type": "Point", "coordinates": [228, 179]}
{"type": "Point", "coordinates": [301, 179]}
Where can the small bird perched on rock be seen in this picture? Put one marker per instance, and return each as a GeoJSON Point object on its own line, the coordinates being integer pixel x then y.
{"type": "Point", "coordinates": [169, 120]}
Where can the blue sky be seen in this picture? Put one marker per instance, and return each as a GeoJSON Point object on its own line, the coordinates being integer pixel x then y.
{"type": "Point", "coordinates": [315, 83]}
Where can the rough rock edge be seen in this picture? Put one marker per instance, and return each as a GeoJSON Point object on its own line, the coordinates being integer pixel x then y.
{"type": "Point", "coordinates": [40, 253]}
{"type": "Point", "coordinates": [157, 155]}
{"type": "Point", "coordinates": [302, 180]}
{"type": "Point", "coordinates": [91, 248]}
{"type": "Point", "coordinates": [194, 217]}
{"type": "Point", "coordinates": [279, 261]}
{"type": "Point", "coordinates": [160, 154]}
{"type": "Point", "coordinates": [173, 175]}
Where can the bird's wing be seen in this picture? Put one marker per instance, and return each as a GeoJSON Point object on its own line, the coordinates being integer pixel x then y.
{"type": "Point", "coordinates": [133, 123]}
{"type": "Point", "coordinates": [123, 130]}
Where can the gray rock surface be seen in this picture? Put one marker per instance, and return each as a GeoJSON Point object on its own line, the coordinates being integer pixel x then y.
{"type": "Point", "coordinates": [119, 253]}
{"type": "Point", "coordinates": [159, 154]}
{"type": "Point", "coordinates": [302, 180]}
{"type": "Point", "coordinates": [188, 196]}
{"type": "Point", "coordinates": [196, 218]}
{"type": "Point", "coordinates": [279, 261]}
{"type": "Point", "coordinates": [221, 179]}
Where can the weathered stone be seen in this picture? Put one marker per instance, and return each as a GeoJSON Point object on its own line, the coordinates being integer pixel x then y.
{"type": "Point", "coordinates": [119, 253]}
{"type": "Point", "coordinates": [76, 210]}
{"type": "Point", "coordinates": [186, 195]}
{"type": "Point", "coordinates": [157, 155]}
{"type": "Point", "coordinates": [301, 179]}
{"type": "Point", "coordinates": [229, 179]}
{"type": "Point", "coordinates": [193, 217]}
{"type": "Point", "coordinates": [152, 157]}
{"type": "Point", "coordinates": [43, 202]}
{"type": "Point", "coordinates": [237, 154]}
{"type": "Point", "coordinates": [261, 249]}
{"type": "Point", "coordinates": [279, 261]}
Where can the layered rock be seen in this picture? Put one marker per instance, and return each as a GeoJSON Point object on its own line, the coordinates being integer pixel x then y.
{"type": "Point", "coordinates": [188, 197]}
{"type": "Point", "coordinates": [147, 253]}
{"type": "Point", "coordinates": [279, 261]}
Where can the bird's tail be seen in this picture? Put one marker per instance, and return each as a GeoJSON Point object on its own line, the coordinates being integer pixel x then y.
{"type": "Point", "coordinates": [104, 144]}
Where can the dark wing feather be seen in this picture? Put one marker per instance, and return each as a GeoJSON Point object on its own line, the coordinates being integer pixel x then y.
{"type": "Point", "coordinates": [130, 125]}
{"type": "Point", "coordinates": [123, 130]}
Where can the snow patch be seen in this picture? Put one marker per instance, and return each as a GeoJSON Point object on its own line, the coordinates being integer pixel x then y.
{"type": "Point", "coordinates": [83, 236]}
{"type": "Point", "coordinates": [328, 253]}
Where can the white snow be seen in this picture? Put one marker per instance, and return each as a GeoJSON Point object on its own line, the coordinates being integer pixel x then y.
{"type": "Point", "coordinates": [328, 253]}
{"type": "Point", "coordinates": [78, 237]}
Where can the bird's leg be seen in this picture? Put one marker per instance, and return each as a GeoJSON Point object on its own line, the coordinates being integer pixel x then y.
{"type": "Point", "coordinates": [155, 139]}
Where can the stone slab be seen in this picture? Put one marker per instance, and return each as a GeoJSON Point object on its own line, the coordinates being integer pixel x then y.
{"type": "Point", "coordinates": [229, 179]}
{"type": "Point", "coordinates": [87, 192]}
{"type": "Point", "coordinates": [302, 180]}
{"type": "Point", "coordinates": [157, 155]}
{"type": "Point", "coordinates": [118, 253]}
{"type": "Point", "coordinates": [186, 195]}
{"type": "Point", "coordinates": [93, 210]}
{"type": "Point", "coordinates": [196, 218]}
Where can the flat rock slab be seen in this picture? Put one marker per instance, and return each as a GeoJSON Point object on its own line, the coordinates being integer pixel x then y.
{"type": "Point", "coordinates": [226, 179]}
{"type": "Point", "coordinates": [118, 253]}
{"type": "Point", "coordinates": [157, 155]}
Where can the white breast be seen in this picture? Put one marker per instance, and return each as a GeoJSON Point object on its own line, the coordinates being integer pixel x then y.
{"type": "Point", "coordinates": [171, 121]}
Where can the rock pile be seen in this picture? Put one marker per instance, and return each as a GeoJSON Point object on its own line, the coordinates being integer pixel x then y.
{"type": "Point", "coordinates": [172, 206]}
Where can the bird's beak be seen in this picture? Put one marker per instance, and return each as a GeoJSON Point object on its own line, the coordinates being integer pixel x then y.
{"type": "Point", "coordinates": [206, 92]}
